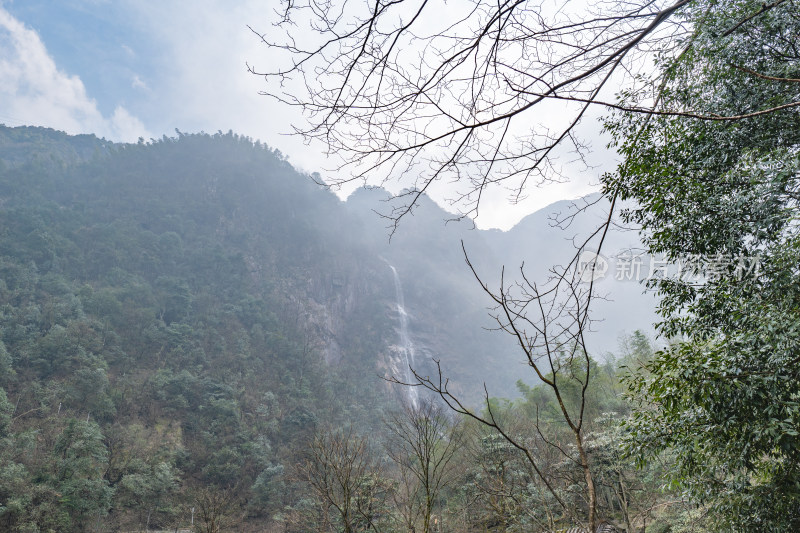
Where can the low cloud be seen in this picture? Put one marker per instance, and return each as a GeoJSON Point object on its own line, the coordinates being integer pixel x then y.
{"type": "Point", "coordinates": [33, 91]}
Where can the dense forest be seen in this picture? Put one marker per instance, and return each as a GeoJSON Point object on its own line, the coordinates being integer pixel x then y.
{"type": "Point", "coordinates": [192, 331]}
{"type": "Point", "coordinates": [194, 336]}
{"type": "Point", "coordinates": [150, 354]}
{"type": "Point", "coordinates": [165, 347]}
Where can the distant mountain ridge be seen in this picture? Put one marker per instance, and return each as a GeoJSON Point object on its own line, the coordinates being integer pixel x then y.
{"type": "Point", "coordinates": [25, 143]}
{"type": "Point", "coordinates": [428, 243]}
{"type": "Point", "coordinates": [449, 317]}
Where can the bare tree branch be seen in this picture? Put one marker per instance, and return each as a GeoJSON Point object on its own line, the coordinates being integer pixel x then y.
{"type": "Point", "coordinates": [412, 91]}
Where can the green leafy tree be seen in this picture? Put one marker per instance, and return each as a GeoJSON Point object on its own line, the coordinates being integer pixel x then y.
{"type": "Point", "coordinates": [80, 458]}
{"type": "Point", "coordinates": [149, 491]}
{"type": "Point", "coordinates": [713, 180]}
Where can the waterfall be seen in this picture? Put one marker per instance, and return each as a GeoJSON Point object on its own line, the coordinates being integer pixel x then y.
{"type": "Point", "coordinates": [406, 346]}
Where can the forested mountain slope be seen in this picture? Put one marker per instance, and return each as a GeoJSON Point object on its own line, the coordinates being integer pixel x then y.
{"type": "Point", "coordinates": [177, 317]}
{"type": "Point", "coordinates": [164, 310]}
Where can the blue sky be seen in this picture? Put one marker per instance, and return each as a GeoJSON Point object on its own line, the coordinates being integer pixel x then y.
{"type": "Point", "coordinates": [124, 69]}
{"type": "Point", "coordinates": [97, 41]}
{"type": "Point", "coordinates": [135, 68]}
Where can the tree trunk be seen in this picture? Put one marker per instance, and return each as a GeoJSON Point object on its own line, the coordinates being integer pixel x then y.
{"type": "Point", "coordinates": [587, 475]}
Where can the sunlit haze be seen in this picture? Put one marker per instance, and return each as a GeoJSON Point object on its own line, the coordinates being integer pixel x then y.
{"type": "Point", "coordinates": [125, 69]}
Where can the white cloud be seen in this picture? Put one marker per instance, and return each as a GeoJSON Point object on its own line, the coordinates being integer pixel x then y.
{"type": "Point", "coordinates": [137, 83]}
{"type": "Point", "coordinates": [34, 91]}
{"type": "Point", "coordinates": [203, 83]}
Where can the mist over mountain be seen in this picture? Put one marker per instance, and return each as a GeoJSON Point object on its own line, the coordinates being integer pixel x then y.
{"type": "Point", "coordinates": [199, 304]}
{"type": "Point", "coordinates": [427, 248]}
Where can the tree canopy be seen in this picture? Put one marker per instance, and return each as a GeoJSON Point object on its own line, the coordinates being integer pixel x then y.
{"type": "Point", "coordinates": [713, 183]}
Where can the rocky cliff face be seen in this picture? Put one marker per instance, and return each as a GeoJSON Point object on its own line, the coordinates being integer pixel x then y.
{"type": "Point", "coordinates": [335, 297]}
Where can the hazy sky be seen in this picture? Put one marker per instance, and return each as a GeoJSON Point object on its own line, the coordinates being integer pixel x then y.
{"type": "Point", "coordinates": [125, 69]}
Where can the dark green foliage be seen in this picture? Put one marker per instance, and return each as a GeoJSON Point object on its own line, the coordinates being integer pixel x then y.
{"type": "Point", "coordinates": [152, 339]}
{"type": "Point", "coordinates": [165, 314]}
{"type": "Point", "coordinates": [723, 195]}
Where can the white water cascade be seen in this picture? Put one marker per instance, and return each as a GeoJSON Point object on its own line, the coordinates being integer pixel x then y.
{"type": "Point", "coordinates": [406, 346]}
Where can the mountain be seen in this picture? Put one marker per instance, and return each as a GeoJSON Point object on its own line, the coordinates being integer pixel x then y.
{"type": "Point", "coordinates": [549, 237]}
{"type": "Point", "coordinates": [185, 312]}
{"type": "Point", "coordinates": [451, 311]}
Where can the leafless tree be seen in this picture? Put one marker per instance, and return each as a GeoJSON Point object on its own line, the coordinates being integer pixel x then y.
{"type": "Point", "coordinates": [476, 93]}
{"type": "Point", "coordinates": [423, 442]}
{"type": "Point", "coordinates": [549, 325]}
{"type": "Point", "coordinates": [404, 87]}
{"type": "Point", "coordinates": [405, 500]}
{"type": "Point", "coordinates": [346, 481]}
{"type": "Point", "coordinates": [459, 92]}
{"type": "Point", "coordinates": [217, 509]}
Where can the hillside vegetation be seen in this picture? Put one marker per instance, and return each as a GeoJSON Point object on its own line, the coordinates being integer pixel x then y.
{"type": "Point", "coordinates": [189, 323]}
